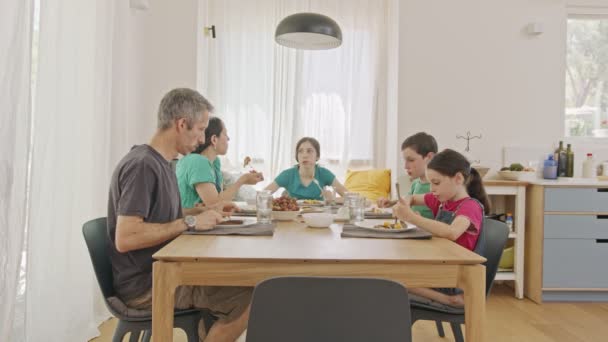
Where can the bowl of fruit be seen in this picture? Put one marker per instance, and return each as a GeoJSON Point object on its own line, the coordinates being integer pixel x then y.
{"type": "Point", "coordinates": [285, 209]}
{"type": "Point", "coordinates": [517, 172]}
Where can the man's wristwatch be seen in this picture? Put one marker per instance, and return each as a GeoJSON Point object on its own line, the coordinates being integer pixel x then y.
{"type": "Point", "coordinates": [190, 221]}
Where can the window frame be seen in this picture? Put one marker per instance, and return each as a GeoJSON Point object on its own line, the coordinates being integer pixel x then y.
{"type": "Point", "coordinates": [580, 12]}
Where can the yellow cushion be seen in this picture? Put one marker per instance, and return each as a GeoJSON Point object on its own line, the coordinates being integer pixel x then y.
{"type": "Point", "coordinates": [372, 184]}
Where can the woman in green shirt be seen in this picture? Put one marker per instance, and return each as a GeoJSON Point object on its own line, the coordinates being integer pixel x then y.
{"type": "Point", "coordinates": [199, 174]}
{"type": "Point", "coordinates": [307, 179]}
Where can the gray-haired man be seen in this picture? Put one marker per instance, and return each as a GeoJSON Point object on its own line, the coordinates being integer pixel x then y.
{"type": "Point", "coordinates": [145, 214]}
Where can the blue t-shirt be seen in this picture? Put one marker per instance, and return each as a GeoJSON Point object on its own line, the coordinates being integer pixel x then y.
{"type": "Point", "coordinates": [193, 169]}
{"type": "Point", "coordinates": [290, 180]}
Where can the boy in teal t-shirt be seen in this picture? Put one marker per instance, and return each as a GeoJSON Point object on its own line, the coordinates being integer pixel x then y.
{"type": "Point", "coordinates": [420, 188]}
{"type": "Point", "coordinates": [417, 150]}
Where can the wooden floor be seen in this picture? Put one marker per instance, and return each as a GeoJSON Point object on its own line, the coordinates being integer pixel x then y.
{"type": "Point", "coordinates": [509, 319]}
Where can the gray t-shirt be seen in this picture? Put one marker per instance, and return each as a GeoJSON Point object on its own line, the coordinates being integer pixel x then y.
{"type": "Point", "coordinates": [144, 185]}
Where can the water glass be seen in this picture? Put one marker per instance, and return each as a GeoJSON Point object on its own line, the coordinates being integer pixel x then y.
{"type": "Point", "coordinates": [356, 208]}
{"type": "Point", "coordinates": [263, 203]}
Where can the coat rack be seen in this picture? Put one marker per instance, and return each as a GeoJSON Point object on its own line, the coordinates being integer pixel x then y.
{"type": "Point", "coordinates": [467, 149]}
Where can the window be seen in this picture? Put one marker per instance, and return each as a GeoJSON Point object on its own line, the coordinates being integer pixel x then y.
{"type": "Point", "coordinates": [270, 96]}
{"type": "Point", "coordinates": [586, 111]}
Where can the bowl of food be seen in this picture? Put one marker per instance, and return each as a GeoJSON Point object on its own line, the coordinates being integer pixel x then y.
{"type": "Point", "coordinates": [284, 209]}
{"type": "Point", "coordinates": [517, 172]}
{"type": "Point", "coordinates": [318, 220]}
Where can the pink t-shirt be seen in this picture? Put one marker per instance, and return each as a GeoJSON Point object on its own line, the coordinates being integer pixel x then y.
{"type": "Point", "coordinates": [469, 208]}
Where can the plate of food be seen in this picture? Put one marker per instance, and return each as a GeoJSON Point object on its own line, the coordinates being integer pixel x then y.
{"type": "Point", "coordinates": [310, 203]}
{"type": "Point", "coordinates": [285, 209]}
{"type": "Point", "coordinates": [385, 225]}
{"type": "Point", "coordinates": [517, 172]}
{"type": "Point", "coordinates": [236, 223]}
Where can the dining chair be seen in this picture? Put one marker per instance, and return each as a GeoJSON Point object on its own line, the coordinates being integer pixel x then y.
{"type": "Point", "coordinates": [301, 309]}
{"type": "Point", "coordinates": [491, 242]}
{"type": "Point", "coordinates": [131, 320]}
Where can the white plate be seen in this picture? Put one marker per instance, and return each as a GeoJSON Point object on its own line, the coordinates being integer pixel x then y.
{"type": "Point", "coordinates": [381, 211]}
{"type": "Point", "coordinates": [316, 203]}
{"type": "Point", "coordinates": [246, 222]}
{"type": "Point", "coordinates": [248, 207]}
{"type": "Point", "coordinates": [371, 225]}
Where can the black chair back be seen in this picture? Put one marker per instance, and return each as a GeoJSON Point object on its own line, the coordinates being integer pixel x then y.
{"type": "Point", "coordinates": [493, 237]}
{"type": "Point", "coordinates": [95, 236]}
{"type": "Point", "coordinates": [329, 309]}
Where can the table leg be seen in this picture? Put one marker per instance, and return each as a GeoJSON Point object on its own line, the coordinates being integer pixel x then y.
{"type": "Point", "coordinates": [472, 280]}
{"type": "Point", "coordinates": [164, 283]}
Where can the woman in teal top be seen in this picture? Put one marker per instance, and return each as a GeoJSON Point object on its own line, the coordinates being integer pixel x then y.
{"type": "Point", "coordinates": [199, 174]}
{"type": "Point", "coordinates": [307, 179]}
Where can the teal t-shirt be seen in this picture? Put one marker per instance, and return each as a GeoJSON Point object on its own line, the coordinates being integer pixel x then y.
{"type": "Point", "coordinates": [290, 180]}
{"type": "Point", "coordinates": [193, 169]}
{"type": "Point", "coordinates": [419, 188]}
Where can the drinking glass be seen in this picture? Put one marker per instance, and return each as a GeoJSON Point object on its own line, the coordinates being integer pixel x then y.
{"type": "Point", "coordinates": [264, 206]}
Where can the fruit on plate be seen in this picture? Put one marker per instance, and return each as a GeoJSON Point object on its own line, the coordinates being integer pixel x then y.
{"type": "Point", "coordinates": [284, 204]}
{"type": "Point", "coordinates": [517, 167]}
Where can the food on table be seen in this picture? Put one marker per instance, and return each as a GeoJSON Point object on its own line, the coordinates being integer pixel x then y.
{"type": "Point", "coordinates": [389, 225]}
{"type": "Point", "coordinates": [284, 204]}
{"type": "Point", "coordinates": [376, 210]}
{"type": "Point", "coordinates": [311, 201]}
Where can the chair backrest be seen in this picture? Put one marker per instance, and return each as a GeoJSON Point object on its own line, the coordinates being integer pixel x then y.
{"type": "Point", "coordinates": [493, 238]}
{"type": "Point", "coordinates": [329, 309]}
{"type": "Point", "coordinates": [95, 235]}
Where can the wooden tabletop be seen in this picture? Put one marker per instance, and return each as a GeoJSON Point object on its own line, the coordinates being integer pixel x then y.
{"type": "Point", "coordinates": [294, 242]}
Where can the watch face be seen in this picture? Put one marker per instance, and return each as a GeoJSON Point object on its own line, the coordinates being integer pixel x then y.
{"type": "Point", "coordinates": [190, 221]}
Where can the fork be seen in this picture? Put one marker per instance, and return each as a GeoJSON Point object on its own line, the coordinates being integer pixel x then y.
{"type": "Point", "coordinates": [398, 197]}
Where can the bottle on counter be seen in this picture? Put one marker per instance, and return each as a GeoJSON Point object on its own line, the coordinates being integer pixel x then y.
{"type": "Point", "coordinates": [509, 221]}
{"type": "Point", "coordinates": [589, 167]}
{"type": "Point", "coordinates": [560, 157]}
{"type": "Point", "coordinates": [550, 168]}
{"type": "Point", "coordinates": [569, 161]}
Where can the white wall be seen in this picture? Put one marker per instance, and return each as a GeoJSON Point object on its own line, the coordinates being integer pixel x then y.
{"type": "Point", "coordinates": [470, 65]}
{"type": "Point", "coordinates": [156, 50]}
{"type": "Point", "coordinates": [461, 65]}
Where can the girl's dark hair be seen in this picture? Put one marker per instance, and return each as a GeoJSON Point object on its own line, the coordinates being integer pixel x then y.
{"type": "Point", "coordinates": [420, 142]}
{"type": "Point", "coordinates": [215, 127]}
{"type": "Point", "coordinates": [449, 163]}
{"type": "Point", "coordinates": [314, 142]}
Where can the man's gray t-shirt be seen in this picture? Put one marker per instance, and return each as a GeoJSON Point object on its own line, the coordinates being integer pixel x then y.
{"type": "Point", "coordinates": [144, 185]}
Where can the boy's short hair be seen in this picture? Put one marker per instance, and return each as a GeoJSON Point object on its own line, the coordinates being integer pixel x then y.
{"type": "Point", "coordinates": [420, 142]}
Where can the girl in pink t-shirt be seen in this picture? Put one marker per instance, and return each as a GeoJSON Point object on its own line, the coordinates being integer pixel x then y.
{"type": "Point", "coordinates": [458, 201]}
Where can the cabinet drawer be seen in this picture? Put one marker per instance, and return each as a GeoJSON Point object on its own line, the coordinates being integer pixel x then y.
{"type": "Point", "coordinates": [576, 227]}
{"type": "Point", "coordinates": [575, 263]}
{"type": "Point", "coordinates": [576, 199]}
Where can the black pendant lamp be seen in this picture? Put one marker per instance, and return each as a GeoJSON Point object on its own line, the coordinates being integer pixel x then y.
{"type": "Point", "coordinates": [308, 31]}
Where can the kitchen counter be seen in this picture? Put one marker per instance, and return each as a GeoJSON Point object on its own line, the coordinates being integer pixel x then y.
{"type": "Point", "coordinates": [560, 182]}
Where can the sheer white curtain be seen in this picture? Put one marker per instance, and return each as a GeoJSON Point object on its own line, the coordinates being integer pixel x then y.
{"type": "Point", "coordinates": [71, 167]}
{"type": "Point", "coordinates": [270, 96]}
{"type": "Point", "coordinates": [15, 62]}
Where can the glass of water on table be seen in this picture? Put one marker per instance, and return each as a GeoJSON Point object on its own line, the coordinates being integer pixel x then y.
{"type": "Point", "coordinates": [264, 206]}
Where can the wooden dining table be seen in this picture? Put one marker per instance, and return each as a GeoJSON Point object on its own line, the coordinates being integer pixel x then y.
{"type": "Point", "coordinates": [296, 250]}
